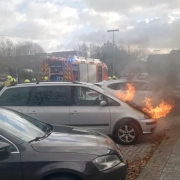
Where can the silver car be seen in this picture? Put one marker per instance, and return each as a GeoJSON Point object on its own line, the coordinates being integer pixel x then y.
{"type": "Point", "coordinates": [78, 104]}
{"type": "Point", "coordinates": [143, 89]}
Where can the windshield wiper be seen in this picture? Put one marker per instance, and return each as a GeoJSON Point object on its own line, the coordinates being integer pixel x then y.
{"type": "Point", "coordinates": [47, 133]}
{"type": "Point", "coordinates": [38, 138]}
{"type": "Point", "coordinates": [49, 129]}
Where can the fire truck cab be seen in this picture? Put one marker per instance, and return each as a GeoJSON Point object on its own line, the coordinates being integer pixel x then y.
{"type": "Point", "coordinates": [74, 69]}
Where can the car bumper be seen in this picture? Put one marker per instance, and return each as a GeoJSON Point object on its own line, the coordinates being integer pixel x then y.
{"type": "Point", "coordinates": [148, 126]}
{"type": "Point", "coordinates": [117, 173]}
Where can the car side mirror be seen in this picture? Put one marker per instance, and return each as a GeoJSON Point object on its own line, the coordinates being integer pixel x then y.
{"type": "Point", "coordinates": [4, 152]}
{"type": "Point", "coordinates": [103, 103]}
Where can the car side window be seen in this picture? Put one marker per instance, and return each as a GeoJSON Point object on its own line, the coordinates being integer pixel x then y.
{"type": "Point", "coordinates": [141, 86]}
{"type": "Point", "coordinates": [111, 102]}
{"type": "Point", "coordinates": [82, 96]}
{"type": "Point", "coordinates": [16, 96]}
{"type": "Point", "coordinates": [124, 86]}
{"type": "Point", "coordinates": [11, 148]}
{"type": "Point", "coordinates": [50, 96]}
{"type": "Point", "coordinates": [115, 86]}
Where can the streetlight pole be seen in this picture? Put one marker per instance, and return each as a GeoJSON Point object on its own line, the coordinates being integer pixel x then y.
{"type": "Point", "coordinates": [113, 30]}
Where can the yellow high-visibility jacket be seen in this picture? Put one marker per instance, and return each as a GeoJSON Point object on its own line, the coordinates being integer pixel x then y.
{"type": "Point", "coordinates": [6, 83]}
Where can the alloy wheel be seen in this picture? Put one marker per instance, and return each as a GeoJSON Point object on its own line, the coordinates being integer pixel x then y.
{"type": "Point", "coordinates": [126, 133]}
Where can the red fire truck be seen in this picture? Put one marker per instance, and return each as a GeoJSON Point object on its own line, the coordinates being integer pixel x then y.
{"type": "Point", "coordinates": [74, 69]}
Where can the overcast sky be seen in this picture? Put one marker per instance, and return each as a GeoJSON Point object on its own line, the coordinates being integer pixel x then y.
{"type": "Point", "coordinates": [61, 24]}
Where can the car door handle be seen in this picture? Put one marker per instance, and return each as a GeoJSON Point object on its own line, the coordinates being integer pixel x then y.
{"type": "Point", "coordinates": [75, 112]}
{"type": "Point", "coordinates": [33, 112]}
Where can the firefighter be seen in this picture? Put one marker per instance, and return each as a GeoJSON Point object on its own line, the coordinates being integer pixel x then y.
{"type": "Point", "coordinates": [109, 78]}
{"type": "Point", "coordinates": [27, 81]}
{"type": "Point", "coordinates": [8, 81]}
{"type": "Point", "coordinates": [114, 78]}
{"type": "Point", "coordinates": [33, 79]}
{"type": "Point", "coordinates": [13, 80]}
{"type": "Point", "coordinates": [46, 78]}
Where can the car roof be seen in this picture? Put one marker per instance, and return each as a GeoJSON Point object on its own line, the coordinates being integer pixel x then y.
{"type": "Point", "coordinates": [49, 83]}
{"type": "Point", "coordinates": [119, 81]}
{"type": "Point", "coordinates": [75, 83]}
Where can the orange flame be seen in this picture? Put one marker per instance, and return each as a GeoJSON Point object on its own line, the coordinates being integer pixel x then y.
{"type": "Point", "coordinates": [159, 111]}
{"type": "Point", "coordinates": [155, 112]}
{"type": "Point", "coordinates": [128, 95]}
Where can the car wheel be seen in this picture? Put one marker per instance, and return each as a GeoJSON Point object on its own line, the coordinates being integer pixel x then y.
{"type": "Point", "coordinates": [126, 133]}
{"type": "Point", "coordinates": [62, 178]}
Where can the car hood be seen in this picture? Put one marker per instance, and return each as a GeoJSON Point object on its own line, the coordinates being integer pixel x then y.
{"type": "Point", "coordinates": [129, 107]}
{"type": "Point", "coordinates": [73, 140]}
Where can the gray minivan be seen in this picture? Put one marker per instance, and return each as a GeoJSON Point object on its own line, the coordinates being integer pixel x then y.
{"type": "Point", "coordinates": [78, 104]}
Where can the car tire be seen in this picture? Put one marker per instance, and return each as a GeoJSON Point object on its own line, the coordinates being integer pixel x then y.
{"type": "Point", "coordinates": [59, 177]}
{"type": "Point", "coordinates": [126, 133]}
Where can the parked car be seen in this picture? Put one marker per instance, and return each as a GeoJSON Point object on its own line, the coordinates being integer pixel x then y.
{"type": "Point", "coordinates": [68, 103]}
{"type": "Point", "coordinates": [32, 150]}
{"type": "Point", "coordinates": [143, 89]}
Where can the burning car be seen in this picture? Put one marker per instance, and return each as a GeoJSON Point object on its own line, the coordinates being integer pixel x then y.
{"type": "Point", "coordinates": [138, 94]}
{"type": "Point", "coordinates": [142, 89]}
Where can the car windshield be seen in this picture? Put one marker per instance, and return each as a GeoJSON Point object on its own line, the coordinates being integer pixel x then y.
{"type": "Point", "coordinates": [21, 126]}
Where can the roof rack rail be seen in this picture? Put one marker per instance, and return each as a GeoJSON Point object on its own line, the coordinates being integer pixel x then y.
{"type": "Point", "coordinates": [37, 82]}
{"type": "Point", "coordinates": [76, 82]}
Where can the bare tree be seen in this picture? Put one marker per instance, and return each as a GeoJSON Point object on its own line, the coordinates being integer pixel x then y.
{"type": "Point", "coordinates": [83, 48]}
{"type": "Point", "coordinates": [6, 47]}
{"type": "Point", "coordinates": [95, 51]}
{"type": "Point", "coordinates": [20, 55]}
{"type": "Point", "coordinates": [139, 54]}
{"type": "Point", "coordinates": [28, 48]}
